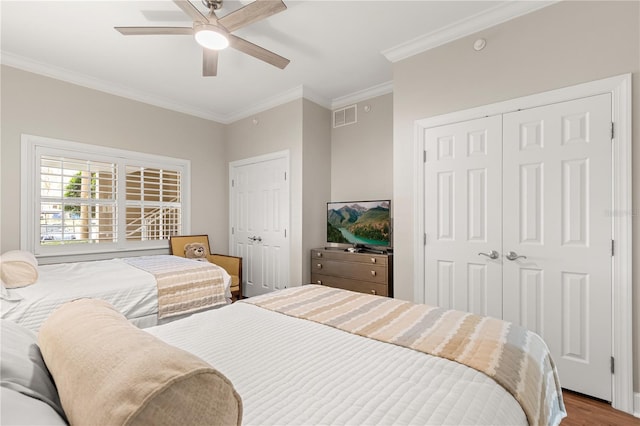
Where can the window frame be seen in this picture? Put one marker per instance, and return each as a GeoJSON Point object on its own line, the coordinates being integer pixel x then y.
{"type": "Point", "coordinates": [33, 147]}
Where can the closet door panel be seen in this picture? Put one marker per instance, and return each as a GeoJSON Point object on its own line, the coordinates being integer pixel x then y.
{"type": "Point", "coordinates": [556, 214]}
{"type": "Point", "coordinates": [462, 184]}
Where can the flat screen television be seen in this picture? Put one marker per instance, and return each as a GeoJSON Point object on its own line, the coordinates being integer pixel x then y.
{"type": "Point", "coordinates": [364, 223]}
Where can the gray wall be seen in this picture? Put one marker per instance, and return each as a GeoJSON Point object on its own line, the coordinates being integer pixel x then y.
{"type": "Point", "coordinates": [301, 127]}
{"type": "Point", "coordinates": [561, 45]}
{"type": "Point", "coordinates": [39, 105]}
{"type": "Point", "coordinates": [316, 179]}
{"type": "Point", "coordinates": [277, 129]}
{"type": "Point", "coordinates": [362, 154]}
{"type": "Point", "coordinates": [42, 106]}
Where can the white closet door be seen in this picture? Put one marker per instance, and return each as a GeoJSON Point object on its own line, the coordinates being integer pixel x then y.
{"type": "Point", "coordinates": [259, 197]}
{"type": "Point", "coordinates": [557, 213]}
{"type": "Point", "coordinates": [463, 191]}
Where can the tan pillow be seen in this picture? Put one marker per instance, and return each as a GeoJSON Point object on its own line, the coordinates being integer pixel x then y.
{"type": "Point", "coordinates": [107, 371]}
{"type": "Point", "coordinates": [18, 268]}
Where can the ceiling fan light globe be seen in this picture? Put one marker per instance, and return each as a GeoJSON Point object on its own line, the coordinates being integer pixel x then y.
{"type": "Point", "coordinates": [211, 39]}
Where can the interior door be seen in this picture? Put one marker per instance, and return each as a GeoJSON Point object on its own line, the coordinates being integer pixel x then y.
{"type": "Point", "coordinates": [259, 199]}
{"type": "Point", "coordinates": [556, 214]}
{"type": "Point", "coordinates": [463, 226]}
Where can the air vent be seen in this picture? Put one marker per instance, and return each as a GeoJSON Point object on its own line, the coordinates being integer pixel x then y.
{"type": "Point", "coordinates": [345, 116]}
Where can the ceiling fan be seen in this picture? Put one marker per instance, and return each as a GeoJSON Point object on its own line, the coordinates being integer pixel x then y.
{"type": "Point", "coordinates": [214, 33]}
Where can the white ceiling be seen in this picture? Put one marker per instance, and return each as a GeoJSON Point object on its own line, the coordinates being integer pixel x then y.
{"type": "Point", "coordinates": [339, 50]}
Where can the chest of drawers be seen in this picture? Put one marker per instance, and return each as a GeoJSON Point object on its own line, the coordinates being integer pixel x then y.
{"type": "Point", "coordinates": [362, 272]}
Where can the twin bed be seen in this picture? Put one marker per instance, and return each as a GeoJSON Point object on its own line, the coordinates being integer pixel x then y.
{"type": "Point", "coordinates": [130, 284]}
{"type": "Point", "coordinates": [317, 355]}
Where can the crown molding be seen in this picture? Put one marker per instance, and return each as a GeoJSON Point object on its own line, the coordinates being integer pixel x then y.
{"type": "Point", "coordinates": [316, 97]}
{"type": "Point", "coordinates": [371, 92]}
{"type": "Point", "coordinates": [274, 101]}
{"type": "Point", "coordinates": [63, 74]}
{"type": "Point", "coordinates": [475, 23]}
{"type": "Point", "coordinates": [464, 27]}
{"type": "Point", "coordinates": [306, 93]}
{"type": "Point", "coordinates": [298, 92]}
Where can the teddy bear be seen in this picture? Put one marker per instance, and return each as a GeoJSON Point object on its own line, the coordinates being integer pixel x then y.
{"type": "Point", "coordinates": [196, 251]}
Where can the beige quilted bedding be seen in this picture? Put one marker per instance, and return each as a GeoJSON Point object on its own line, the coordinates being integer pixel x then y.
{"type": "Point", "coordinates": [184, 286]}
{"type": "Point", "coordinates": [514, 357]}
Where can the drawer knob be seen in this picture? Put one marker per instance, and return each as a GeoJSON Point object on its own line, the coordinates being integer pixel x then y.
{"type": "Point", "coordinates": [373, 292]}
{"type": "Point", "coordinates": [373, 260]}
{"type": "Point", "coordinates": [319, 282]}
{"type": "Point", "coordinates": [319, 265]}
{"type": "Point", "coordinates": [319, 254]}
{"type": "Point", "coordinates": [373, 273]}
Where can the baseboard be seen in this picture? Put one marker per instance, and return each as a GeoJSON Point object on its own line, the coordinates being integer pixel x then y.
{"type": "Point", "coordinates": [636, 404]}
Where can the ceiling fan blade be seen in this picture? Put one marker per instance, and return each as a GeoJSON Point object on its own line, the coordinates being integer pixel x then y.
{"type": "Point", "coordinates": [191, 10]}
{"type": "Point", "coordinates": [258, 52]}
{"type": "Point", "coordinates": [209, 63]}
{"type": "Point", "coordinates": [155, 30]}
{"type": "Point", "coordinates": [251, 13]}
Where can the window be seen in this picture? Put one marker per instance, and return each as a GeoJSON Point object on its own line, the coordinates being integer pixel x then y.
{"type": "Point", "coordinates": [153, 203]}
{"type": "Point", "coordinates": [83, 198]}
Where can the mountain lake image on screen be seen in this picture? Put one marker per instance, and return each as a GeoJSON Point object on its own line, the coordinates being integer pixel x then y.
{"type": "Point", "coordinates": [359, 222]}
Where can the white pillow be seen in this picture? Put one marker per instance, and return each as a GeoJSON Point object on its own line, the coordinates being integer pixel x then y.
{"type": "Point", "coordinates": [18, 268]}
{"type": "Point", "coordinates": [21, 410]}
{"type": "Point", "coordinates": [23, 370]}
{"type": "Point", "coordinates": [8, 300]}
{"type": "Point", "coordinates": [7, 295]}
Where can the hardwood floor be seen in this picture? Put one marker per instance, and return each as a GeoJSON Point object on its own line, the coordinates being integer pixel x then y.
{"type": "Point", "coordinates": [584, 410]}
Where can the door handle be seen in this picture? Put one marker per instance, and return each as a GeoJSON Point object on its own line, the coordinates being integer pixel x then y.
{"type": "Point", "coordinates": [254, 238]}
{"type": "Point", "coordinates": [491, 255]}
{"type": "Point", "coordinates": [512, 255]}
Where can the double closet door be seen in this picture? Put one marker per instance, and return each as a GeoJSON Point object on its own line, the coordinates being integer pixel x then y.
{"type": "Point", "coordinates": [518, 226]}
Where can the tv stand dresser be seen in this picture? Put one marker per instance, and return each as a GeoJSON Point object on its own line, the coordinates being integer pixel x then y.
{"type": "Point", "coordinates": [362, 272]}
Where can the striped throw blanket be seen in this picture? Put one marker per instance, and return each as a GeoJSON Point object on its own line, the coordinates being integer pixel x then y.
{"type": "Point", "coordinates": [184, 285]}
{"type": "Point", "coordinates": [513, 356]}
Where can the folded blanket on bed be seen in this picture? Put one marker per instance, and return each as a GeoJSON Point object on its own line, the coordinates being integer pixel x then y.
{"type": "Point", "coordinates": [513, 356]}
{"type": "Point", "coordinates": [184, 285]}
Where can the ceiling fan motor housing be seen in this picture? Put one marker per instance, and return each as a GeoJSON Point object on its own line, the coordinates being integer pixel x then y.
{"type": "Point", "coordinates": [212, 4]}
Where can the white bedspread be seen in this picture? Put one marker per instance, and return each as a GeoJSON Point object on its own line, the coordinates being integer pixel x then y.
{"type": "Point", "coordinates": [292, 371]}
{"type": "Point", "coordinates": [131, 290]}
